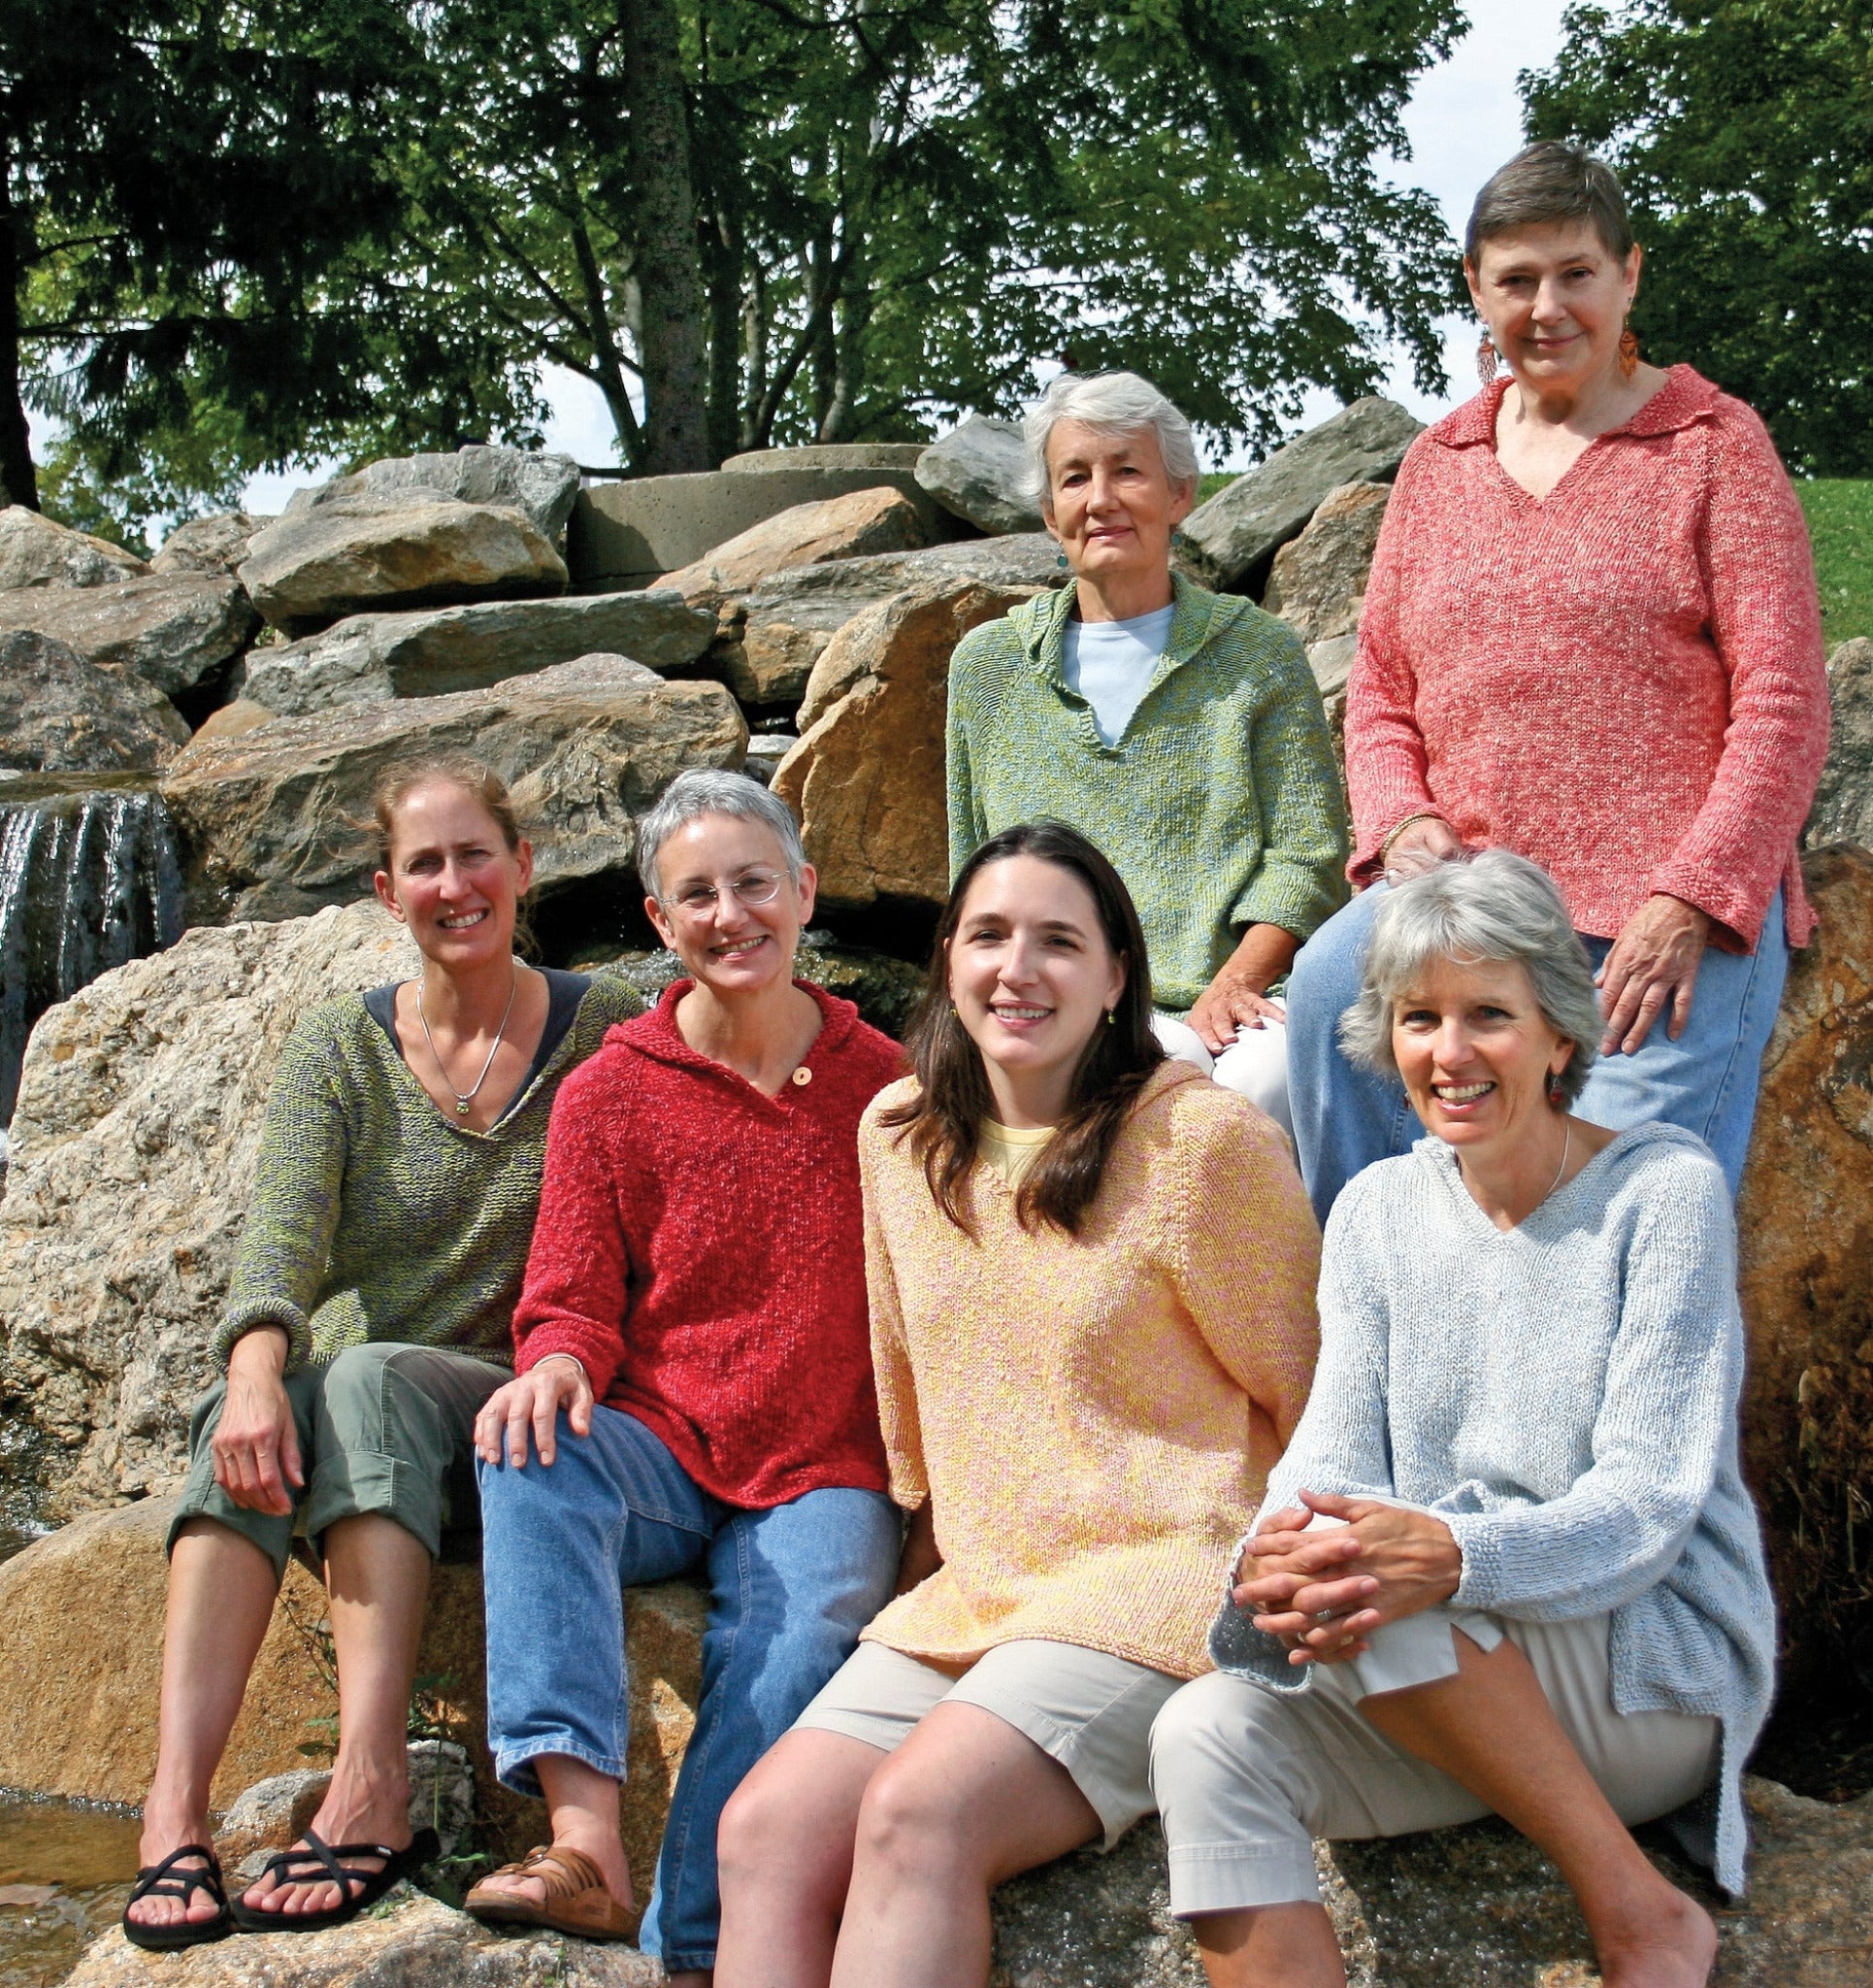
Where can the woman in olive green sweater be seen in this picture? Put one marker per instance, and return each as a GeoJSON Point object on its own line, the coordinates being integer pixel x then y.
{"type": "Point", "coordinates": [368, 1320]}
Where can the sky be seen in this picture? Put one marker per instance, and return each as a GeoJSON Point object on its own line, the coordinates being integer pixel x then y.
{"type": "Point", "coordinates": [1465, 118]}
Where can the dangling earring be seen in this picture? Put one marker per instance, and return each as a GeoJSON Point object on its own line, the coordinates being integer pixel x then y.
{"type": "Point", "coordinates": [1110, 1014]}
{"type": "Point", "coordinates": [1061, 561]}
{"type": "Point", "coordinates": [1488, 358]}
{"type": "Point", "coordinates": [1555, 1095]}
{"type": "Point", "coordinates": [1628, 350]}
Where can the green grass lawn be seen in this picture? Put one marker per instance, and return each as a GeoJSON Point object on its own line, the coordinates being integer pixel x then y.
{"type": "Point", "coordinates": [1840, 521]}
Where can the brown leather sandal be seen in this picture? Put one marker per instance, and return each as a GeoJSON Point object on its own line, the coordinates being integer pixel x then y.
{"type": "Point", "coordinates": [576, 1900]}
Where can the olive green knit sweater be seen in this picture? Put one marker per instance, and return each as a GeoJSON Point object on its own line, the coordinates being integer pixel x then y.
{"type": "Point", "coordinates": [1221, 803]}
{"type": "Point", "coordinates": [375, 1218]}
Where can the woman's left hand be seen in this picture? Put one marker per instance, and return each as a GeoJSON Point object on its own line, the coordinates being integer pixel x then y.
{"type": "Point", "coordinates": [1653, 963]}
{"type": "Point", "coordinates": [1385, 1563]}
{"type": "Point", "coordinates": [1236, 998]}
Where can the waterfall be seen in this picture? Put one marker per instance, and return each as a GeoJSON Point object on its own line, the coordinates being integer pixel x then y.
{"type": "Point", "coordinates": [88, 880]}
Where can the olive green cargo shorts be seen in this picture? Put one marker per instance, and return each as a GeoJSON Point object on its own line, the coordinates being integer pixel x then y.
{"type": "Point", "coordinates": [383, 1428]}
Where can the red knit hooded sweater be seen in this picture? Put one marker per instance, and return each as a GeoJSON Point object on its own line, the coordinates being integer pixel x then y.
{"type": "Point", "coordinates": [700, 1248]}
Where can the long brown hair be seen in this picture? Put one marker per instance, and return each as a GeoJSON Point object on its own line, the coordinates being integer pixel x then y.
{"type": "Point", "coordinates": [953, 1098]}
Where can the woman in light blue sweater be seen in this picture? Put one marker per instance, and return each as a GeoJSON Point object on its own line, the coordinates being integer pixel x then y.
{"type": "Point", "coordinates": [1508, 1563]}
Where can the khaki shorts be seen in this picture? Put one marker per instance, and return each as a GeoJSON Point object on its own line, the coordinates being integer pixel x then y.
{"type": "Point", "coordinates": [1087, 1710]}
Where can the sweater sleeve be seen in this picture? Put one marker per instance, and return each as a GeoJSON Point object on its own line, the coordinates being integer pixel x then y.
{"type": "Point", "coordinates": [1300, 881]}
{"type": "Point", "coordinates": [968, 822]}
{"type": "Point", "coordinates": [1248, 1254]}
{"type": "Point", "coordinates": [898, 1418]}
{"type": "Point", "coordinates": [1766, 620]}
{"type": "Point", "coordinates": [578, 1273]}
{"type": "Point", "coordinates": [298, 1194]}
{"type": "Point", "coordinates": [1387, 767]}
{"type": "Point", "coordinates": [1663, 1421]}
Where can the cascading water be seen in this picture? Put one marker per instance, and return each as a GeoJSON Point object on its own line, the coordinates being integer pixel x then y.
{"type": "Point", "coordinates": [88, 880]}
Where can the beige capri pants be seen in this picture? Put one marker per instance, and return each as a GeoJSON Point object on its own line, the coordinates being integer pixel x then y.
{"type": "Point", "coordinates": [1245, 1776]}
{"type": "Point", "coordinates": [1089, 1711]}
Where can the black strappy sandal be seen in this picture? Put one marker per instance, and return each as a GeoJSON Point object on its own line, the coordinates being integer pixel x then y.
{"type": "Point", "coordinates": [164, 1882]}
{"type": "Point", "coordinates": [324, 1862]}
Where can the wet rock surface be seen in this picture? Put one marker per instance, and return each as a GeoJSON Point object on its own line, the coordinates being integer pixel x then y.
{"type": "Point", "coordinates": [61, 712]}
{"type": "Point", "coordinates": [36, 552]}
{"type": "Point", "coordinates": [171, 629]}
{"type": "Point", "coordinates": [979, 471]}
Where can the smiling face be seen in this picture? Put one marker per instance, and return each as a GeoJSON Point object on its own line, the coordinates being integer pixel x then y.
{"type": "Point", "coordinates": [452, 879]}
{"type": "Point", "coordinates": [706, 873]}
{"type": "Point", "coordinates": [1110, 502]}
{"type": "Point", "coordinates": [1555, 298]}
{"type": "Point", "coordinates": [1475, 1052]}
{"type": "Point", "coordinates": [1031, 976]}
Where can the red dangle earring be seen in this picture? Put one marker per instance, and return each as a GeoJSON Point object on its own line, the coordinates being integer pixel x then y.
{"type": "Point", "coordinates": [1488, 358]}
{"type": "Point", "coordinates": [1628, 350]}
{"type": "Point", "coordinates": [1555, 1092]}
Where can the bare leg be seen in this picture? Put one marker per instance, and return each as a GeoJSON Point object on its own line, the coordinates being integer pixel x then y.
{"type": "Point", "coordinates": [377, 1575]}
{"type": "Point", "coordinates": [221, 1590]}
{"type": "Point", "coordinates": [1492, 1727]}
{"type": "Point", "coordinates": [963, 1804]}
{"type": "Point", "coordinates": [582, 1812]}
{"type": "Point", "coordinates": [1277, 1946]}
{"type": "Point", "coordinates": [785, 1857]}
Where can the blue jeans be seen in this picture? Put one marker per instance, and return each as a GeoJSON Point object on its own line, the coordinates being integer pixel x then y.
{"type": "Point", "coordinates": [1705, 1081]}
{"type": "Point", "coordinates": [790, 1589]}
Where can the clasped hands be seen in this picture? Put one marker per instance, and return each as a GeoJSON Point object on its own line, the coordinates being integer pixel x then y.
{"type": "Point", "coordinates": [1322, 1593]}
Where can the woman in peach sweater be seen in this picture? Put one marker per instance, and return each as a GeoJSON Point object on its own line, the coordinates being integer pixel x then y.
{"type": "Point", "coordinates": [1091, 1277]}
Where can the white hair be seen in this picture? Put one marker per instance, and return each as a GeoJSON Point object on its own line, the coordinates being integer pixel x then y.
{"type": "Point", "coordinates": [712, 790]}
{"type": "Point", "coordinates": [1113, 404]}
{"type": "Point", "coordinates": [1497, 906]}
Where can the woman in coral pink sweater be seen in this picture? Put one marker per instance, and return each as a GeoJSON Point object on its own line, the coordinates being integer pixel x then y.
{"type": "Point", "coordinates": [1591, 636]}
{"type": "Point", "coordinates": [693, 1372]}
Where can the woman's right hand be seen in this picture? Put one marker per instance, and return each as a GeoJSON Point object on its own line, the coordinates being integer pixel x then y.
{"type": "Point", "coordinates": [1419, 846]}
{"type": "Point", "coordinates": [533, 1401]}
{"type": "Point", "coordinates": [255, 1445]}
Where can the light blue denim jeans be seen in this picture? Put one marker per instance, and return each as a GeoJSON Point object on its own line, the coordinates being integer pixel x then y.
{"type": "Point", "coordinates": [1705, 1081]}
{"type": "Point", "coordinates": [790, 1588]}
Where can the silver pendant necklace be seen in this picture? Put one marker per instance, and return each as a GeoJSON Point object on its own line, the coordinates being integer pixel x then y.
{"type": "Point", "coordinates": [464, 1099]}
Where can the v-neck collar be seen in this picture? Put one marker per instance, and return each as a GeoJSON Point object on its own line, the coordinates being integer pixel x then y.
{"type": "Point", "coordinates": [1443, 1157]}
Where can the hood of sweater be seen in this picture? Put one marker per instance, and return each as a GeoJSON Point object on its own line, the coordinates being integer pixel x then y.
{"type": "Point", "coordinates": [1197, 617]}
{"type": "Point", "coordinates": [1687, 396]}
{"type": "Point", "coordinates": [655, 1034]}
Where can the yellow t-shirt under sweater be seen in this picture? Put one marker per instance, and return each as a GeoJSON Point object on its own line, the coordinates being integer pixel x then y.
{"type": "Point", "coordinates": [1010, 1152]}
{"type": "Point", "coordinates": [1093, 1417]}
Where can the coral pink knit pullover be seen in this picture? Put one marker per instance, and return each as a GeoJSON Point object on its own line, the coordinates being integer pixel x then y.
{"type": "Point", "coordinates": [1623, 679]}
{"type": "Point", "coordinates": [700, 1246]}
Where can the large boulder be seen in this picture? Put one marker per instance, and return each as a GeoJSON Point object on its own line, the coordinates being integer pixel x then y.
{"type": "Point", "coordinates": [786, 622]}
{"type": "Point", "coordinates": [360, 552]}
{"type": "Point", "coordinates": [210, 544]}
{"type": "Point", "coordinates": [60, 713]}
{"type": "Point", "coordinates": [34, 552]}
{"type": "Point", "coordinates": [867, 776]}
{"type": "Point", "coordinates": [1229, 542]}
{"type": "Point", "coordinates": [543, 486]}
{"type": "Point", "coordinates": [979, 471]}
{"type": "Point", "coordinates": [1805, 1218]}
{"type": "Point", "coordinates": [371, 659]}
{"type": "Point", "coordinates": [585, 746]}
{"type": "Point", "coordinates": [880, 521]}
{"type": "Point", "coordinates": [172, 629]}
{"type": "Point", "coordinates": [1317, 583]}
{"type": "Point", "coordinates": [825, 456]}
{"type": "Point", "coordinates": [1843, 810]}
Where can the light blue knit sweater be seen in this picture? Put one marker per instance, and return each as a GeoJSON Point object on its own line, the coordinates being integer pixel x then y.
{"type": "Point", "coordinates": [1563, 1396]}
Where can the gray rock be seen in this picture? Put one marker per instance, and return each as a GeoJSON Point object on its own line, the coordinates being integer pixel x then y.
{"type": "Point", "coordinates": [766, 752]}
{"type": "Point", "coordinates": [826, 455]}
{"type": "Point", "coordinates": [1229, 542]}
{"type": "Point", "coordinates": [171, 629]}
{"type": "Point", "coordinates": [62, 714]}
{"type": "Point", "coordinates": [208, 545]}
{"type": "Point", "coordinates": [584, 745]}
{"type": "Point", "coordinates": [980, 472]}
{"type": "Point", "coordinates": [353, 553]}
{"type": "Point", "coordinates": [543, 486]}
{"type": "Point", "coordinates": [1317, 583]}
{"type": "Point", "coordinates": [34, 552]}
{"type": "Point", "coordinates": [368, 658]}
{"type": "Point", "coordinates": [1843, 810]}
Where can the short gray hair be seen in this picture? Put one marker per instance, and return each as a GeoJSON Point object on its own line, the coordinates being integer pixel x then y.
{"type": "Point", "coordinates": [711, 790]}
{"type": "Point", "coordinates": [1496, 905]}
{"type": "Point", "coordinates": [1115, 404]}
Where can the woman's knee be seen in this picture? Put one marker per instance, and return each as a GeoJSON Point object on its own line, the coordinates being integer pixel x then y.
{"type": "Point", "coordinates": [913, 1816]}
{"type": "Point", "coordinates": [775, 1827]}
{"type": "Point", "coordinates": [1214, 1725]}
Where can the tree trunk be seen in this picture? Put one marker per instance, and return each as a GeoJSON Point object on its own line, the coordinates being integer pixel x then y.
{"type": "Point", "coordinates": [725, 260]}
{"type": "Point", "coordinates": [676, 380]}
{"type": "Point", "coordinates": [18, 483]}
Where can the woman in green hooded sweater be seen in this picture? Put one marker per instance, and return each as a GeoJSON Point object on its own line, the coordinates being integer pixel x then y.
{"type": "Point", "coordinates": [1180, 731]}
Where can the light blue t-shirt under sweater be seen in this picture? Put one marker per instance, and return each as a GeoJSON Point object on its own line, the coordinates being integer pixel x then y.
{"type": "Point", "coordinates": [1109, 663]}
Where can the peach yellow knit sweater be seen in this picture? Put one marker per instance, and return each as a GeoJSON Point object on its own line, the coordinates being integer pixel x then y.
{"type": "Point", "coordinates": [1092, 1416]}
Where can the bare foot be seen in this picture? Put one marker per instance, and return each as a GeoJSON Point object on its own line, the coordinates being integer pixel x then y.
{"type": "Point", "coordinates": [1676, 1947]}
{"type": "Point", "coordinates": [351, 1813]}
{"type": "Point", "coordinates": [162, 1834]}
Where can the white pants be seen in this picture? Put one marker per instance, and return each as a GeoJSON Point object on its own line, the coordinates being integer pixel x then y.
{"type": "Point", "coordinates": [1245, 1776]}
{"type": "Point", "coordinates": [1255, 1065]}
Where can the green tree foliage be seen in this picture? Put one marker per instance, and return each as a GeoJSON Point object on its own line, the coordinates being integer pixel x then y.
{"type": "Point", "coordinates": [1743, 133]}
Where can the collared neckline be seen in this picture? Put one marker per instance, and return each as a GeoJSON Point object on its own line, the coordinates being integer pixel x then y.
{"type": "Point", "coordinates": [657, 1036]}
{"type": "Point", "coordinates": [1685, 396]}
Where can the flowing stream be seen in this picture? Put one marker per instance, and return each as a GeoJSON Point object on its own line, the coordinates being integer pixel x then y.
{"type": "Point", "coordinates": [89, 878]}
